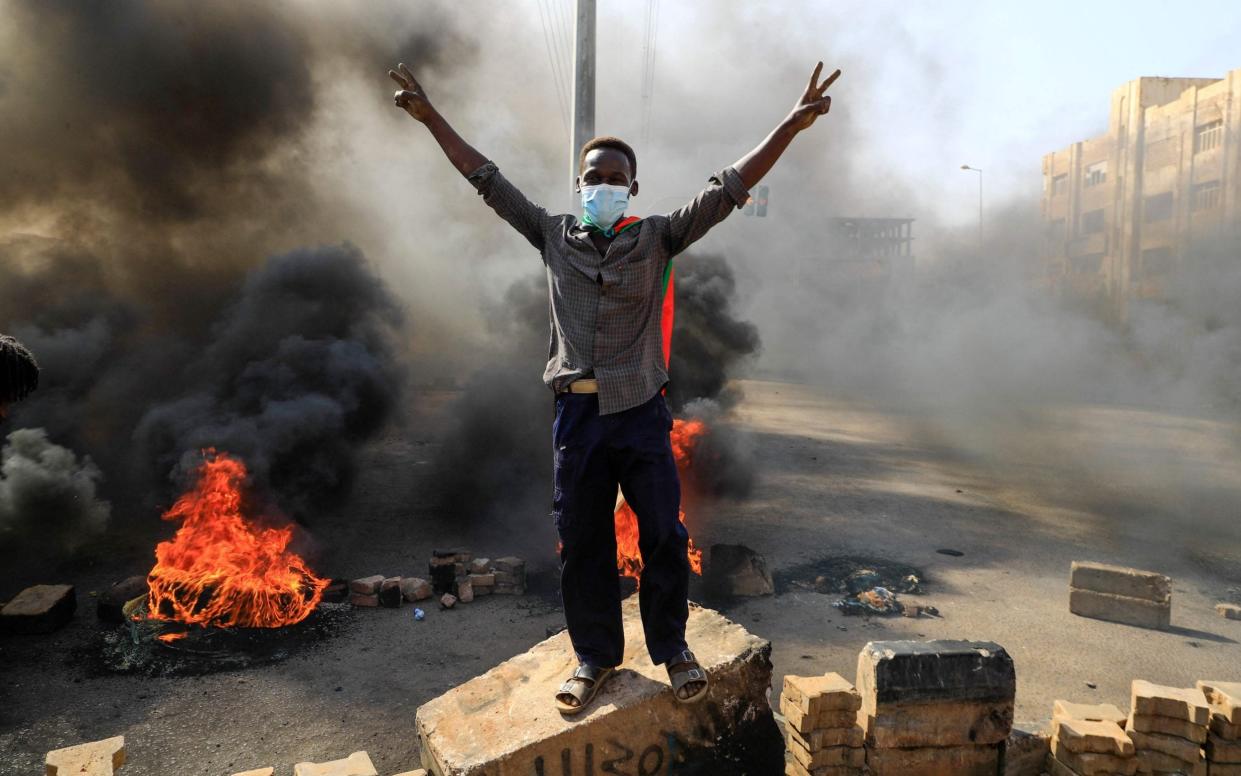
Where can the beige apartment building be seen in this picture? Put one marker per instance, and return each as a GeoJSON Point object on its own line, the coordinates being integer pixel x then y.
{"type": "Point", "coordinates": [1122, 210]}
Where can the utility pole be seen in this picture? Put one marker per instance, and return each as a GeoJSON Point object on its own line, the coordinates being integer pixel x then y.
{"type": "Point", "coordinates": [583, 88]}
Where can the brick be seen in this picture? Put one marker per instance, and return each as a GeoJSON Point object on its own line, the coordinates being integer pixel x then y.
{"type": "Point", "coordinates": [935, 761]}
{"type": "Point", "coordinates": [1181, 728]}
{"type": "Point", "coordinates": [465, 591]}
{"type": "Point", "coordinates": [817, 694]}
{"type": "Point", "coordinates": [821, 738]}
{"type": "Point", "coordinates": [1228, 611]}
{"type": "Point", "coordinates": [360, 599]}
{"type": "Point", "coordinates": [1121, 609]}
{"type": "Point", "coordinates": [1224, 698]}
{"type": "Point", "coordinates": [366, 585]}
{"type": "Point", "coordinates": [510, 565]}
{"type": "Point", "coordinates": [356, 764]}
{"type": "Point", "coordinates": [448, 601]}
{"type": "Point", "coordinates": [39, 609]}
{"type": "Point", "coordinates": [1025, 751]}
{"type": "Point", "coordinates": [1089, 712]}
{"type": "Point", "coordinates": [1173, 746]}
{"type": "Point", "coordinates": [1156, 762]}
{"type": "Point", "coordinates": [1175, 702]}
{"type": "Point", "coordinates": [415, 589]}
{"type": "Point", "coordinates": [390, 592]}
{"type": "Point", "coordinates": [98, 758]}
{"type": "Point", "coordinates": [1221, 727]}
{"type": "Point", "coordinates": [1086, 736]}
{"type": "Point", "coordinates": [1092, 763]}
{"type": "Point", "coordinates": [108, 605]}
{"type": "Point", "coordinates": [1221, 750]}
{"type": "Point", "coordinates": [1122, 581]}
{"type": "Point", "coordinates": [480, 566]}
{"type": "Point", "coordinates": [482, 580]}
{"type": "Point", "coordinates": [854, 757]}
{"type": "Point", "coordinates": [806, 723]}
{"type": "Point", "coordinates": [257, 772]}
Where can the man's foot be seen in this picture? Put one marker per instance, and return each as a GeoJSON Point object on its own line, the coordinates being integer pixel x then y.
{"type": "Point", "coordinates": [689, 680]}
{"type": "Point", "coordinates": [581, 688]}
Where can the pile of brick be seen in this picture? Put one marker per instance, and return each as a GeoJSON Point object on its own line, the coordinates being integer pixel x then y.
{"type": "Point", "coordinates": [822, 733]}
{"type": "Point", "coordinates": [1118, 594]}
{"type": "Point", "coordinates": [456, 576]}
{"type": "Point", "coordinates": [1223, 745]}
{"type": "Point", "coordinates": [1090, 739]}
{"type": "Point", "coordinates": [935, 707]}
{"type": "Point", "coordinates": [1168, 726]}
{"type": "Point", "coordinates": [388, 591]}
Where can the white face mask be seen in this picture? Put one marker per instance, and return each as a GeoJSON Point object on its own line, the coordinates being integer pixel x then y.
{"type": "Point", "coordinates": [603, 205]}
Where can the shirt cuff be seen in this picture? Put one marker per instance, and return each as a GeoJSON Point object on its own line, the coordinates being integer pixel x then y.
{"type": "Point", "coordinates": [730, 179]}
{"type": "Point", "coordinates": [479, 177]}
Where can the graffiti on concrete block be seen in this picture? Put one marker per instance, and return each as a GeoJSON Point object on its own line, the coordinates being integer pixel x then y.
{"type": "Point", "coordinates": [614, 757]}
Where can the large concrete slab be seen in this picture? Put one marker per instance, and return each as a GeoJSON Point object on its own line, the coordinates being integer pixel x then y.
{"type": "Point", "coordinates": [97, 758]}
{"type": "Point", "coordinates": [504, 723]}
{"type": "Point", "coordinates": [1120, 580]}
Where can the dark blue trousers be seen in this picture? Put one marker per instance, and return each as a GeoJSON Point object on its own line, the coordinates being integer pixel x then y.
{"type": "Point", "coordinates": [593, 455]}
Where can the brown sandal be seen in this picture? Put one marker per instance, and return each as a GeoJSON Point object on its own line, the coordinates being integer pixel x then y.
{"type": "Point", "coordinates": [582, 688]}
{"type": "Point", "coordinates": [684, 671]}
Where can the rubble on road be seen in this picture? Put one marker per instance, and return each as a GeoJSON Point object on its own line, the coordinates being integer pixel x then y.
{"type": "Point", "coordinates": [1228, 611]}
{"type": "Point", "coordinates": [1118, 594]}
{"type": "Point", "coordinates": [39, 609]}
{"type": "Point", "coordinates": [456, 573]}
{"type": "Point", "coordinates": [734, 570]}
{"type": "Point", "coordinates": [98, 758]}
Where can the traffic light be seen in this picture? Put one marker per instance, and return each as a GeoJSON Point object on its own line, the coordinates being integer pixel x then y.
{"type": "Point", "coordinates": [760, 206]}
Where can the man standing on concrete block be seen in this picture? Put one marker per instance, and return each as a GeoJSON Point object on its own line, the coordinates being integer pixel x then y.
{"type": "Point", "coordinates": [19, 373]}
{"type": "Point", "coordinates": [607, 277]}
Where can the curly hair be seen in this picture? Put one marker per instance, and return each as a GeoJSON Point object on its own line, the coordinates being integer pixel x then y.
{"type": "Point", "coordinates": [616, 144]}
{"type": "Point", "coordinates": [19, 372]}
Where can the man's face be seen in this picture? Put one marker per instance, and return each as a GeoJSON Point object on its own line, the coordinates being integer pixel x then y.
{"type": "Point", "coordinates": [607, 166]}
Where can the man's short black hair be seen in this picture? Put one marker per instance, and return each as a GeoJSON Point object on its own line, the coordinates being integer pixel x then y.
{"type": "Point", "coordinates": [615, 143]}
{"type": "Point", "coordinates": [19, 372]}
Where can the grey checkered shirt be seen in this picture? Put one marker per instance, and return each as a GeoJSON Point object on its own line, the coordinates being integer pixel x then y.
{"type": "Point", "coordinates": [605, 310]}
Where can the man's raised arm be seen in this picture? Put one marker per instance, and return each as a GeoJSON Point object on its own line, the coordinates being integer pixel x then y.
{"type": "Point", "coordinates": [728, 189]}
{"type": "Point", "coordinates": [500, 195]}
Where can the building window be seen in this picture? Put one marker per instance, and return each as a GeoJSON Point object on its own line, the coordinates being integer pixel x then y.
{"type": "Point", "coordinates": [1157, 261]}
{"type": "Point", "coordinates": [1157, 208]}
{"type": "Point", "coordinates": [1096, 173]}
{"type": "Point", "coordinates": [1093, 222]}
{"type": "Point", "coordinates": [1208, 136]}
{"type": "Point", "coordinates": [1090, 264]}
{"type": "Point", "coordinates": [1059, 184]}
{"type": "Point", "coordinates": [1206, 195]}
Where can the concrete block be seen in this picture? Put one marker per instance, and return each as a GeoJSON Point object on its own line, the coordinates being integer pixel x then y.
{"type": "Point", "coordinates": [1089, 712]}
{"type": "Point", "coordinates": [390, 593]}
{"type": "Point", "coordinates": [366, 585]}
{"type": "Point", "coordinates": [1092, 763]}
{"type": "Point", "coordinates": [360, 599]}
{"type": "Point", "coordinates": [1121, 609]}
{"type": "Point", "coordinates": [1086, 736]}
{"type": "Point", "coordinates": [415, 589]}
{"type": "Point", "coordinates": [448, 601]}
{"type": "Point", "coordinates": [1054, 767]}
{"type": "Point", "coordinates": [1122, 581]}
{"type": "Point", "coordinates": [257, 772]}
{"type": "Point", "coordinates": [482, 580]}
{"type": "Point", "coordinates": [98, 758]}
{"type": "Point", "coordinates": [935, 761]}
{"type": "Point", "coordinates": [356, 764]}
{"type": "Point", "coordinates": [1224, 699]}
{"type": "Point", "coordinates": [465, 591]}
{"type": "Point", "coordinates": [828, 720]}
{"type": "Point", "coordinates": [1158, 700]}
{"type": "Point", "coordinates": [1158, 762]}
{"type": "Point", "coordinates": [1225, 730]}
{"type": "Point", "coordinates": [1228, 611]}
{"type": "Point", "coordinates": [1024, 752]}
{"type": "Point", "coordinates": [935, 693]}
{"type": "Point", "coordinates": [736, 570]}
{"type": "Point", "coordinates": [1167, 726]}
{"type": "Point", "coordinates": [851, 756]}
{"type": "Point", "coordinates": [634, 726]}
{"type": "Point", "coordinates": [480, 566]}
{"type": "Point", "coordinates": [819, 739]}
{"type": "Point", "coordinates": [39, 609]}
{"type": "Point", "coordinates": [1221, 750]}
{"type": "Point", "coordinates": [814, 695]}
{"type": "Point", "coordinates": [510, 565]}
{"type": "Point", "coordinates": [108, 605]}
{"type": "Point", "coordinates": [1173, 746]}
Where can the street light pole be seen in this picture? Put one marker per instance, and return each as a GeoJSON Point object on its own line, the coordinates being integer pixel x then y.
{"type": "Point", "coordinates": [975, 169]}
{"type": "Point", "coordinates": [583, 88]}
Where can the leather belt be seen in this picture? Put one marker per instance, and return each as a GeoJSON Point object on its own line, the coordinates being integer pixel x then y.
{"type": "Point", "coordinates": [582, 385]}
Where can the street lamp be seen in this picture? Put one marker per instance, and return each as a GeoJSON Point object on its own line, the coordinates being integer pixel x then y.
{"type": "Point", "coordinates": [975, 169]}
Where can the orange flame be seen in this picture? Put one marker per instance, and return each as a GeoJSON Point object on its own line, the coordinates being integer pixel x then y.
{"type": "Point", "coordinates": [168, 638]}
{"type": "Point", "coordinates": [222, 570]}
{"type": "Point", "coordinates": [684, 437]}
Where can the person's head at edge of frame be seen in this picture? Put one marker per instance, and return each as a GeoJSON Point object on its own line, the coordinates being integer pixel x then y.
{"type": "Point", "coordinates": [19, 373]}
{"type": "Point", "coordinates": [607, 178]}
